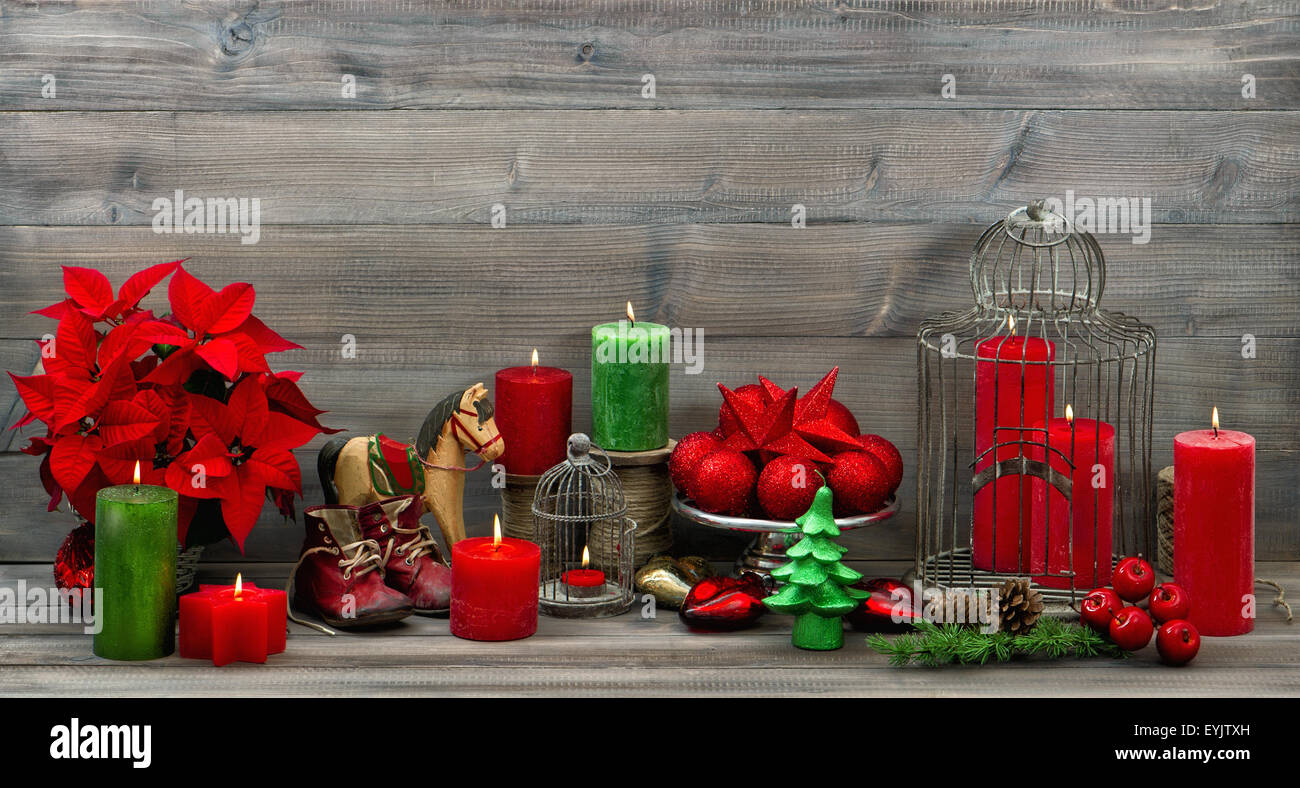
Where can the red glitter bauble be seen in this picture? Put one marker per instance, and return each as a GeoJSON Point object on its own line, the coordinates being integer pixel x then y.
{"type": "Point", "coordinates": [687, 454]}
{"type": "Point", "coordinates": [74, 564]}
{"type": "Point", "coordinates": [887, 453]}
{"type": "Point", "coordinates": [860, 483]}
{"type": "Point", "coordinates": [786, 487]}
{"type": "Point", "coordinates": [723, 483]}
{"type": "Point", "coordinates": [840, 416]}
{"type": "Point", "coordinates": [752, 394]}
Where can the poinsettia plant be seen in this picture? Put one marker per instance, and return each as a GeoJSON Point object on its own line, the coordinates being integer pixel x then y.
{"type": "Point", "coordinates": [188, 394]}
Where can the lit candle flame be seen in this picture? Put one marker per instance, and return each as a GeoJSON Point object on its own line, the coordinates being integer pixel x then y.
{"type": "Point", "coordinates": [137, 471]}
{"type": "Point", "coordinates": [1069, 414]}
{"type": "Point", "coordinates": [534, 358]}
{"type": "Point", "coordinates": [631, 316]}
{"type": "Point", "coordinates": [239, 584]}
{"type": "Point", "coordinates": [1214, 420]}
{"type": "Point", "coordinates": [496, 530]}
{"type": "Point", "coordinates": [586, 556]}
{"type": "Point", "coordinates": [1011, 324]}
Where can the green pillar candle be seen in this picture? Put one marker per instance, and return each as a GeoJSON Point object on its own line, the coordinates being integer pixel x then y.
{"type": "Point", "coordinates": [135, 569]}
{"type": "Point", "coordinates": [629, 385]}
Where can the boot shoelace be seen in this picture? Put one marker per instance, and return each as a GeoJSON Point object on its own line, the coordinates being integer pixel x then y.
{"type": "Point", "coordinates": [360, 557]}
{"type": "Point", "coordinates": [421, 544]}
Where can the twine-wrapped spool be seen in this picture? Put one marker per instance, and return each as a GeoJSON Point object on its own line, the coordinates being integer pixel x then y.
{"type": "Point", "coordinates": [517, 505]}
{"type": "Point", "coordinates": [1165, 520]}
{"type": "Point", "coordinates": [649, 492]}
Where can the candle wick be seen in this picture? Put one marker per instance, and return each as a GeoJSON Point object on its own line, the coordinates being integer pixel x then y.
{"type": "Point", "coordinates": [1216, 433]}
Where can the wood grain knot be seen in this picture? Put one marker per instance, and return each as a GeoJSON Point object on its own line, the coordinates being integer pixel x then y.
{"type": "Point", "coordinates": [585, 53]}
{"type": "Point", "coordinates": [237, 39]}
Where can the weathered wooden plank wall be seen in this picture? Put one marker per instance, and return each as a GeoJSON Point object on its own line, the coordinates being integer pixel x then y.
{"type": "Point", "coordinates": [376, 222]}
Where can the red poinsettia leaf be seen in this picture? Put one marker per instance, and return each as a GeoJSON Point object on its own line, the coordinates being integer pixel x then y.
{"type": "Point", "coordinates": [175, 369]}
{"type": "Point", "coordinates": [71, 398]}
{"type": "Point", "coordinates": [118, 461]}
{"type": "Point", "coordinates": [209, 416]}
{"type": "Point", "coordinates": [173, 402]}
{"type": "Point", "coordinates": [82, 498]}
{"type": "Point", "coordinates": [204, 471]}
{"type": "Point", "coordinates": [162, 332]}
{"type": "Point", "coordinates": [187, 295]}
{"type": "Point", "coordinates": [248, 354]}
{"type": "Point", "coordinates": [56, 311]}
{"type": "Point", "coordinates": [277, 469]}
{"type": "Point", "coordinates": [267, 340]}
{"type": "Point", "coordinates": [38, 445]}
{"type": "Point", "coordinates": [140, 283]}
{"type": "Point", "coordinates": [72, 458]}
{"type": "Point", "coordinates": [120, 341]}
{"type": "Point", "coordinates": [89, 289]}
{"type": "Point", "coordinates": [285, 432]}
{"type": "Point", "coordinates": [229, 309]}
{"type": "Point", "coordinates": [248, 404]}
{"type": "Point", "coordinates": [51, 486]}
{"type": "Point", "coordinates": [37, 392]}
{"type": "Point", "coordinates": [290, 375]}
{"type": "Point", "coordinates": [241, 508]}
{"type": "Point", "coordinates": [76, 344]}
{"type": "Point", "coordinates": [123, 421]}
{"type": "Point", "coordinates": [284, 395]}
{"type": "Point", "coordinates": [27, 418]}
{"type": "Point", "coordinates": [221, 355]}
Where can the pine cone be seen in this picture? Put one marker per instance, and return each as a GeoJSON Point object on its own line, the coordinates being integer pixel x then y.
{"type": "Point", "coordinates": [1019, 606]}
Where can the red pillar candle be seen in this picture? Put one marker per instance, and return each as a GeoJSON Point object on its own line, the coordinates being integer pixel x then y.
{"type": "Point", "coordinates": [494, 584]}
{"type": "Point", "coordinates": [1090, 445]}
{"type": "Point", "coordinates": [534, 413]}
{"type": "Point", "coordinates": [1214, 527]}
{"type": "Point", "coordinates": [239, 623]}
{"type": "Point", "coordinates": [1014, 387]}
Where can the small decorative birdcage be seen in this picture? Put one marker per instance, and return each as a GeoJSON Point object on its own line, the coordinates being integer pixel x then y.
{"type": "Point", "coordinates": [580, 521]}
{"type": "Point", "coordinates": [1035, 416]}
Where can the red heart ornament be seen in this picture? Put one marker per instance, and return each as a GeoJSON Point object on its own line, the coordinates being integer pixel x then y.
{"type": "Point", "coordinates": [724, 603]}
{"type": "Point", "coordinates": [889, 600]}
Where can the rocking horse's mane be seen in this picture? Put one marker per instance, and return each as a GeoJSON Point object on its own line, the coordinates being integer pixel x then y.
{"type": "Point", "coordinates": [433, 423]}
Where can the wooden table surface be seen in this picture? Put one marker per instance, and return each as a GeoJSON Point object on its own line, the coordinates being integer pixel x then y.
{"type": "Point", "coordinates": [625, 656]}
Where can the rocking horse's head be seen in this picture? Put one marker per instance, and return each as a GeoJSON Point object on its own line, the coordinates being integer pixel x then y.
{"type": "Point", "coordinates": [467, 415]}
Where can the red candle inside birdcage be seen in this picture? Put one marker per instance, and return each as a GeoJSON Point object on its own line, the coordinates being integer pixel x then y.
{"type": "Point", "coordinates": [1013, 403]}
{"type": "Point", "coordinates": [1079, 530]}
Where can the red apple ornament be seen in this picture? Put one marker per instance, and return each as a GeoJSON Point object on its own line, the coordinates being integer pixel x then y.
{"type": "Point", "coordinates": [1099, 607]}
{"type": "Point", "coordinates": [842, 417]}
{"type": "Point", "coordinates": [723, 483]}
{"type": "Point", "coordinates": [787, 486]}
{"type": "Point", "coordinates": [1178, 641]}
{"type": "Point", "coordinates": [1131, 628]}
{"type": "Point", "coordinates": [687, 455]}
{"type": "Point", "coordinates": [1168, 602]}
{"type": "Point", "coordinates": [1133, 579]}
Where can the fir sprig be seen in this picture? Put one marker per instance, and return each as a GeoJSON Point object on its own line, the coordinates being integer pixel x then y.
{"type": "Point", "coordinates": [934, 645]}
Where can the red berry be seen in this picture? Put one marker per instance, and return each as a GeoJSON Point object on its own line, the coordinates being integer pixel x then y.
{"type": "Point", "coordinates": [860, 483]}
{"type": "Point", "coordinates": [1131, 628]}
{"type": "Point", "coordinates": [1134, 578]}
{"type": "Point", "coordinates": [687, 454]}
{"type": "Point", "coordinates": [723, 482]}
{"type": "Point", "coordinates": [1178, 641]}
{"type": "Point", "coordinates": [751, 393]}
{"type": "Point", "coordinates": [1169, 602]}
{"type": "Point", "coordinates": [787, 486]}
{"type": "Point", "coordinates": [888, 454]}
{"type": "Point", "coordinates": [1098, 607]}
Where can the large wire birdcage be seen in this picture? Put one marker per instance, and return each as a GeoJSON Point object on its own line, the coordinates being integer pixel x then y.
{"type": "Point", "coordinates": [580, 521]}
{"type": "Point", "coordinates": [1034, 421]}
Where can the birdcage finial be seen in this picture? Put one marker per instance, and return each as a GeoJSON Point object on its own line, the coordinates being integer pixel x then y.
{"type": "Point", "coordinates": [579, 448]}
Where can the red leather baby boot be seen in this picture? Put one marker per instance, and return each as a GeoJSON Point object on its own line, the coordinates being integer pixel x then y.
{"type": "Point", "coordinates": [339, 575]}
{"type": "Point", "coordinates": [412, 562]}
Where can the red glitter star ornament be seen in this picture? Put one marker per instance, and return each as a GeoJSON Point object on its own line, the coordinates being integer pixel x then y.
{"type": "Point", "coordinates": [813, 420]}
{"type": "Point", "coordinates": [769, 430]}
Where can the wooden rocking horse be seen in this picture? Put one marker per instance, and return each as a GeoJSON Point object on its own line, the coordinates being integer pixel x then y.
{"type": "Point", "coordinates": [363, 469]}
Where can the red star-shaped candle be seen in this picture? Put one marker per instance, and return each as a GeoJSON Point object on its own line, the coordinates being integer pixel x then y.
{"type": "Point", "coordinates": [226, 624]}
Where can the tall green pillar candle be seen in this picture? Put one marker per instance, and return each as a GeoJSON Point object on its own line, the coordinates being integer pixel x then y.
{"type": "Point", "coordinates": [629, 385]}
{"type": "Point", "coordinates": [135, 569]}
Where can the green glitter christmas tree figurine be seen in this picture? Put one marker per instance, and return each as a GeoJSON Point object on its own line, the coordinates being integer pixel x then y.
{"type": "Point", "coordinates": [816, 588]}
